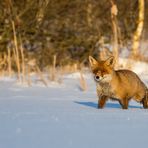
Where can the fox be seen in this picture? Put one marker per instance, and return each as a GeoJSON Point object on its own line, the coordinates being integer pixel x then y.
{"type": "Point", "coordinates": [120, 85]}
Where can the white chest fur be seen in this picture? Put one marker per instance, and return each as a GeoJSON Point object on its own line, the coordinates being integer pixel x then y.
{"type": "Point", "coordinates": [105, 89]}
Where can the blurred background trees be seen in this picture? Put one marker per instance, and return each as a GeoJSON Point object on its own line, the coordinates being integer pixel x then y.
{"type": "Point", "coordinates": [71, 30]}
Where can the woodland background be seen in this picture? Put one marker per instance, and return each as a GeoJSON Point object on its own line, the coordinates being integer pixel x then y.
{"type": "Point", "coordinates": [71, 30]}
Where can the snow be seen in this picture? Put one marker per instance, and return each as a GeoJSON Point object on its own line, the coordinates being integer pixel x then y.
{"type": "Point", "coordinates": [138, 67]}
{"type": "Point", "coordinates": [61, 115]}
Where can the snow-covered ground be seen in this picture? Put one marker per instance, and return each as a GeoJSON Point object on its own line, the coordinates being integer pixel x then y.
{"type": "Point", "coordinates": [63, 116]}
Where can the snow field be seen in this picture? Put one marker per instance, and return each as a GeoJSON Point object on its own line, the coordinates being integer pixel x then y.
{"type": "Point", "coordinates": [61, 115]}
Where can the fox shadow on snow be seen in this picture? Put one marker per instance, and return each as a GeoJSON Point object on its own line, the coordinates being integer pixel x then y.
{"type": "Point", "coordinates": [108, 105]}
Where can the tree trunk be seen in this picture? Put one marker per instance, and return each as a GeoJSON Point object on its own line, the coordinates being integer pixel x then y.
{"type": "Point", "coordinates": [138, 31]}
{"type": "Point", "coordinates": [114, 12]}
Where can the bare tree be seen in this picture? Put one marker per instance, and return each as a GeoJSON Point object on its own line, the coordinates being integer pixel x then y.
{"type": "Point", "coordinates": [138, 31]}
{"type": "Point", "coordinates": [114, 12]}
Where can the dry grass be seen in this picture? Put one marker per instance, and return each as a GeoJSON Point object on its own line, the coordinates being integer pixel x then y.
{"type": "Point", "coordinates": [83, 84]}
{"type": "Point", "coordinates": [16, 52]}
{"type": "Point", "coordinates": [53, 69]}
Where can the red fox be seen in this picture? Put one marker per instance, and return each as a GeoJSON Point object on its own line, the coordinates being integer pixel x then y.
{"type": "Point", "coordinates": [120, 85]}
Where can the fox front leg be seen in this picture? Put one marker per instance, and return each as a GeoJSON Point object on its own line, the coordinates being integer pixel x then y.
{"type": "Point", "coordinates": [102, 100]}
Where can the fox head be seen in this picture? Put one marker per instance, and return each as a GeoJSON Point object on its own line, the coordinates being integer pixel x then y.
{"type": "Point", "coordinates": [102, 70]}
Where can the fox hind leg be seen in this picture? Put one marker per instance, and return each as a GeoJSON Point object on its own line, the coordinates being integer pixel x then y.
{"type": "Point", "coordinates": [145, 100]}
{"type": "Point", "coordinates": [124, 103]}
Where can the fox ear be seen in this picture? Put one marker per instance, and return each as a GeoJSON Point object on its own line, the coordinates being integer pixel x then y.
{"type": "Point", "coordinates": [110, 61]}
{"type": "Point", "coordinates": [93, 62]}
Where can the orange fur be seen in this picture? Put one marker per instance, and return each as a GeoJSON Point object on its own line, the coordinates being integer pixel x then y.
{"type": "Point", "coordinates": [120, 85]}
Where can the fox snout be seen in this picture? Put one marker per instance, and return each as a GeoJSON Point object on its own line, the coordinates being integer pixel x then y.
{"type": "Point", "coordinates": [104, 78]}
{"type": "Point", "coordinates": [97, 78]}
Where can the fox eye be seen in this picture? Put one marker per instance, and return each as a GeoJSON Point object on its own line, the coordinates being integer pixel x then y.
{"type": "Point", "coordinates": [97, 78]}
